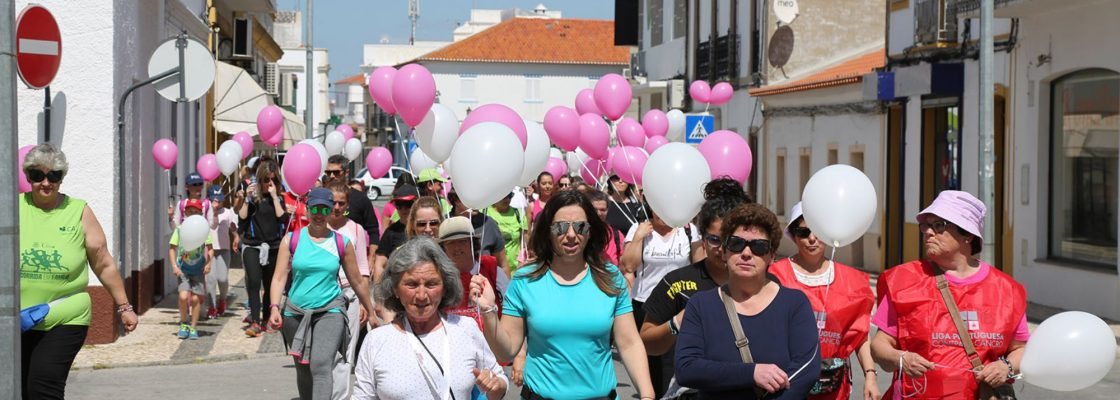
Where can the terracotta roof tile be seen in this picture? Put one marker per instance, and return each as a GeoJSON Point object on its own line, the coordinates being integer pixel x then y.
{"type": "Point", "coordinates": [358, 79]}
{"type": "Point", "coordinates": [539, 40]}
{"type": "Point", "coordinates": [847, 72]}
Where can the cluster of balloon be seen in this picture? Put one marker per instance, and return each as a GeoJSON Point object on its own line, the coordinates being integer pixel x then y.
{"type": "Point", "coordinates": [716, 95]}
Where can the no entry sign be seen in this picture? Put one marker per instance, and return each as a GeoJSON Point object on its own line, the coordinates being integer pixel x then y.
{"type": "Point", "coordinates": [38, 46]}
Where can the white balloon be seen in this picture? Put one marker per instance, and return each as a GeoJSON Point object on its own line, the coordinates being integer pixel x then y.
{"type": "Point", "coordinates": [676, 125]}
{"type": "Point", "coordinates": [193, 232]}
{"type": "Point", "coordinates": [674, 179]}
{"type": "Point", "coordinates": [229, 157]}
{"type": "Point", "coordinates": [353, 149]}
{"type": "Point", "coordinates": [839, 204]}
{"type": "Point", "coordinates": [420, 161]}
{"type": "Point", "coordinates": [334, 143]}
{"type": "Point", "coordinates": [537, 151]}
{"type": "Point", "coordinates": [1069, 351]}
{"type": "Point", "coordinates": [487, 161]}
{"type": "Point", "coordinates": [437, 133]}
{"type": "Point", "coordinates": [322, 153]}
{"type": "Point", "coordinates": [554, 152]}
{"type": "Point", "coordinates": [575, 160]}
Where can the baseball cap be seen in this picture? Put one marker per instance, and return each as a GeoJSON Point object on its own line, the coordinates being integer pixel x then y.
{"type": "Point", "coordinates": [195, 203]}
{"type": "Point", "coordinates": [320, 197]}
{"type": "Point", "coordinates": [455, 228]}
{"type": "Point", "coordinates": [430, 174]}
{"type": "Point", "coordinates": [194, 179]}
{"type": "Point", "coordinates": [216, 193]}
{"type": "Point", "coordinates": [405, 192]}
{"type": "Point", "coordinates": [253, 161]}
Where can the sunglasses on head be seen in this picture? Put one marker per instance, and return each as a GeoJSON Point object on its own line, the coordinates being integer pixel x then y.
{"type": "Point", "coordinates": [319, 210]}
{"type": "Point", "coordinates": [938, 226]}
{"type": "Point", "coordinates": [561, 228]}
{"type": "Point", "coordinates": [35, 175]}
{"type": "Point", "coordinates": [428, 223]}
{"type": "Point", "coordinates": [759, 247]}
{"type": "Point", "coordinates": [800, 232]}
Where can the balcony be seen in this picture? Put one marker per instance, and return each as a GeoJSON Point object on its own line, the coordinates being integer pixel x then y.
{"type": "Point", "coordinates": [935, 22]}
{"type": "Point", "coordinates": [1015, 8]}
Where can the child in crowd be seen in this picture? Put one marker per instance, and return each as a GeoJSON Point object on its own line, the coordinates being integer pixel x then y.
{"type": "Point", "coordinates": [225, 245]}
{"type": "Point", "coordinates": [191, 267]}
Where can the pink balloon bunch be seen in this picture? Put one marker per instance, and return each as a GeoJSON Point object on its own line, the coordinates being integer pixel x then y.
{"type": "Point", "coordinates": [207, 166]}
{"type": "Point", "coordinates": [381, 88]}
{"type": "Point", "coordinates": [716, 95]}
{"type": "Point", "coordinates": [165, 152]}
{"type": "Point", "coordinates": [562, 125]}
{"type": "Point", "coordinates": [379, 160]}
{"type": "Point", "coordinates": [631, 133]}
{"type": "Point", "coordinates": [24, 185]}
{"type": "Point", "coordinates": [613, 96]}
{"type": "Point", "coordinates": [246, 142]}
{"type": "Point", "coordinates": [500, 114]}
{"type": "Point", "coordinates": [700, 91]}
{"type": "Point", "coordinates": [414, 92]}
{"type": "Point", "coordinates": [270, 125]}
{"type": "Point", "coordinates": [594, 136]}
{"type": "Point", "coordinates": [728, 155]}
{"type": "Point", "coordinates": [628, 164]}
{"type": "Point", "coordinates": [301, 168]}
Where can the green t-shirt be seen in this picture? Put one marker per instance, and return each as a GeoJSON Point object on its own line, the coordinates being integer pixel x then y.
{"type": "Point", "coordinates": [53, 265]}
{"type": "Point", "coordinates": [191, 262]}
{"type": "Point", "coordinates": [512, 224]}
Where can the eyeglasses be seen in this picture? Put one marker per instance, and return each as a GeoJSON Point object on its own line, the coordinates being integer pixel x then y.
{"type": "Point", "coordinates": [428, 223]}
{"type": "Point", "coordinates": [319, 210]}
{"type": "Point", "coordinates": [759, 247]}
{"type": "Point", "coordinates": [938, 226]}
{"type": "Point", "coordinates": [565, 185]}
{"type": "Point", "coordinates": [561, 228]}
{"type": "Point", "coordinates": [35, 176]}
{"type": "Point", "coordinates": [801, 232]}
{"type": "Point", "coordinates": [713, 240]}
{"type": "Point", "coordinates": [333, 172]}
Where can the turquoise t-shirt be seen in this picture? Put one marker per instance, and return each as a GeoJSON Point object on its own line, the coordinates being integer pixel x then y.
{"type": "Point", "coordinates": [191, 262]}
{"type": "Point", "coordinates": [315, 272]}
{"type": "Point", "coordinates": [569, 333]}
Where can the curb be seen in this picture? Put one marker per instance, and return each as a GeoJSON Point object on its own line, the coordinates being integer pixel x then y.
{"type": "Point", "coordinates": [196, 360]}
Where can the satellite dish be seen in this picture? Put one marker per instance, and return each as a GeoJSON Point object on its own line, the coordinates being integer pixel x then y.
{"type": "Point", "coordinates": [786, 10]}
{"type": "Point", "coordinates": [781, 46]}
{"type": "Point", "coordinates": [198, 69]}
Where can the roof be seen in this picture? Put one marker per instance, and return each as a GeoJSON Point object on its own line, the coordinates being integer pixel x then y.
{"type": "Point", "coordinates": [539, 41]}
{"type": "Point", "coordinates": [844, 73]}
{"type": "Point", "coordinates": [358, 79]}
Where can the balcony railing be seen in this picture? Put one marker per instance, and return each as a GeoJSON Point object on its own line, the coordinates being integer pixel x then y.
{"type": "Point", "coordinates": [935, 21]}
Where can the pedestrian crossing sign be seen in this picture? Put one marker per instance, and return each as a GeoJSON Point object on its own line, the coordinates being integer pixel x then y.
{"type": "Point", "coordinates": [697, 127]}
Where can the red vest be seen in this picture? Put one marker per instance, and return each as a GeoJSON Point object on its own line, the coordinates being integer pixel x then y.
{"type": "Point", "coordinates": [487, 267]}
{"type": "Point", "coordinates": [846, 312]}
{"type": "Point", "coordinates": [991, 309]}
{"type": "Point", "coordinates": [299, 219]}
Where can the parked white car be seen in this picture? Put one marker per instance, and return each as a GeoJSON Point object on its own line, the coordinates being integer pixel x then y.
{"type": "Point", "coordinates": [376, 187]}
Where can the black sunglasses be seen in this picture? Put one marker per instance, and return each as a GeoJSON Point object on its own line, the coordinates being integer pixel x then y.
{"type": "Point", "coordinates": [800, 232]}
{"type": "Point", "coordinates": [561, 228]}
{"type": "Point", "coordinates": [713, 240]}
{"type": "Point", "coordinates": [938, 226]}
{"type": "Point", "coordinates": [35, 176]}
{"type": "Point", "coordinates": [759, 247]}
{"type": "Point", "coordinates": [333, 172]}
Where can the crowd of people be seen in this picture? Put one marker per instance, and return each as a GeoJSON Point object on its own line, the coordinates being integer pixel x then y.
{"type": "Point", "coordinates": [549, 284]}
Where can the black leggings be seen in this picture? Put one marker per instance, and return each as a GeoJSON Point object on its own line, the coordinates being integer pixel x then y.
{"type": "Point", "coordinates": [46, 360]}
{"type": "Point", "coordinates": [660, 367]}
{"type": "Point", "coordinates": [255, 276]}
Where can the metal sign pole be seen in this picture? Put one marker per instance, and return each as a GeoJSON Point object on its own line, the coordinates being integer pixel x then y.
{"type": "Point", "coordinates": [9, 212]}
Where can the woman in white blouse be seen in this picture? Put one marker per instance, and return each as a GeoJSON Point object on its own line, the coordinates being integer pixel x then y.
{"type": "Point", "coordinates": [425, 352]}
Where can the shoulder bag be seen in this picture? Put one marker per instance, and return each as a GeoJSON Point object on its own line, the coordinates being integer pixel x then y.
{"type": "Point", "coordinates": [1005, 392]}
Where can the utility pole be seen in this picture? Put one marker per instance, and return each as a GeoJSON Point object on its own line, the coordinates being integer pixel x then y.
{"type": "Point", "coordinates": [310, 72]}
{"type": "Point", "coordinates": [987, 125]}
{"type": "Point", "coordinates": [414, 16]}
{"type": "Point", "coordinates": [9, 211]}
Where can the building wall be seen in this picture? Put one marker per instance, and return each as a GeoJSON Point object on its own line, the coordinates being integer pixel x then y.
{"type": "Point", "coordinates": [828, 31]}
{"type": "Point", "coordinates": [294, 62]}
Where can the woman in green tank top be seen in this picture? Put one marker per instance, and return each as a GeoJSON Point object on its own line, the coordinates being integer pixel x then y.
{"type": "Point", "coordinates": [58, 237]}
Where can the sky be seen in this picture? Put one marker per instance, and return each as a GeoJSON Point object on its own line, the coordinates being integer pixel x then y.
{"type": "Point", "coordinates": [343, 26]}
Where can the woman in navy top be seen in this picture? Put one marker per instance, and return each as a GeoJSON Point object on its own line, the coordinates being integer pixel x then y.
{"type": "Point", "coordinates": [778, 322]}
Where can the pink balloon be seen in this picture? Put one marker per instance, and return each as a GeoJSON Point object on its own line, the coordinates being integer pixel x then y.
{"type": "Point", "coordinates": [246, 142]}
{"type": "Point", "coordinates": [585, 103]}
{"type": "Point", "coordinates": [594, 136]}
{"type": "Point", "coordinates": [275, 139]}
{"type": "Point", "coordinates": [613, 95]}
{"type": "Point", "coordinates": [655, 123]}
{"type": "Point", "coordinates": [700, 91]}
{"type": "Point", "coordinates": [24, 185]}
{"type": "Point", "coordinates": [381, 88]}
{"type": "Point", "coordinates": [556, 167]}
{"type": "Point", "coordinates": [165, 152]}
{"type": "Point", "coordinates": [631, 133]}
{"type": "Point", "coordinates": [379, 160]}
{"type": "Point", "coordinates": [207, 166]}
{"type": "Point", "coordinates": [562, 125]}
{"type": "Point", "coordinates": [592, 170]}
{"type": "Point", "coordinates": [728, 155]}
{"type": "Point", "coordinates": [610, 157]}
{"type": "Point", "coordinates": [346, 130]}
{"type": "Point", "coordinates": [500, 114]}
{"type": "Point", "coordinates": [301, 168]}
{"type": "Point", "coordinates": [628, 164]}
{"type": "Point", "coordinates": [269, 122]}
{"type": "Point", "coordinates": [721, 93]}
{"type": "Point", "coordinates": [654, 142]}
{"type": "Point", "coordinates": [414, 92]}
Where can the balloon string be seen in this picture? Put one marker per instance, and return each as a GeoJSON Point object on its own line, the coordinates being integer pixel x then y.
{"type": "Point", "coordinates": [407, 156]}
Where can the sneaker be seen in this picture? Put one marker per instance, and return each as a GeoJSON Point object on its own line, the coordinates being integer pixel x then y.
{"type": "Point", "coordinates": [184, 330]}
{"type": "Point", "coordinates": [221, 307]}
{"type": "Point", "coordinates": [193, 334]}
{"type": "Point", "coordinates": [247, 320]}
{"type": "Point", "coordinates": [211, 313]}
{"type": "Point", "coordinates": [254, 330]}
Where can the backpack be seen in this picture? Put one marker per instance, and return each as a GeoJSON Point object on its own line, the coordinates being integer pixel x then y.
{"type": "Point", "coordinates": [183, 208]}
{"type": "Point", "coordinates": [292, 245]}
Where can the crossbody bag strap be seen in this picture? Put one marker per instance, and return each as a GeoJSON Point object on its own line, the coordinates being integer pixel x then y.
{"type": "Point", "coordinates": [954, 312]}
{"type": "Point", "coordinates": [741, 341]}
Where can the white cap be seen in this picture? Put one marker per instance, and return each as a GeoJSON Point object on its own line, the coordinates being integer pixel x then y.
{"type": "Point", "coordinates": [794, 214]}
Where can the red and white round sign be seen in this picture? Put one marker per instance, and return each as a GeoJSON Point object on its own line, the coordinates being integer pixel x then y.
{"type": "Point", "coordinates": [38, 46]}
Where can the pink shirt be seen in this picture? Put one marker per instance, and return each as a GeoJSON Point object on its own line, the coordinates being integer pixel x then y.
{"type": "Point", "coordinates": [887, 321]}
{"type": "Point", "coordinates": [359, 238]}
{"type": "Point", "coordinates": [613, 250]}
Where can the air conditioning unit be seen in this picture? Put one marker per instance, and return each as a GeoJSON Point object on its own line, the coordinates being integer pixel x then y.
{"type": "Point", "coordinates": [243, 36]}
{"type": "Point", "coordinates": [627, 74]}
{"type": "Point", "coordinates": [271, 79]}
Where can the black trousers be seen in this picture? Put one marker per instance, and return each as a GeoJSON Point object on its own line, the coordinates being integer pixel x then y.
{"type": "Point", "coordinates": [255, 276]}
{"type": "Point", "coordinates": [660, 367]}
{"type": "Point", "coordinates": [46, 357]}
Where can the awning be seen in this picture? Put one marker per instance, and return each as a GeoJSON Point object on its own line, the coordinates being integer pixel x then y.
{"type": "Point", "coordinates": [237, 101]}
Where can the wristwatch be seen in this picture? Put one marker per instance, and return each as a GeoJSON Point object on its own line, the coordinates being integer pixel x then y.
{"type": "Point", "coordinates": [673, 328]}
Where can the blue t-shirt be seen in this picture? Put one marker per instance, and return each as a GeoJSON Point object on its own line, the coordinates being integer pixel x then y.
{"type": "Point", "coordinates": [315, 272]}
{"type": "Point", "coordinates": [569, 332]}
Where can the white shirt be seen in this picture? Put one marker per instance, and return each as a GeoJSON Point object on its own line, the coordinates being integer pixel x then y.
{"type": "Point", "coordinates": [388, 368]}
{"type": "Point", "coordinates": [226, 220]}
{"type": "Point", "coordinates": [661, 255]}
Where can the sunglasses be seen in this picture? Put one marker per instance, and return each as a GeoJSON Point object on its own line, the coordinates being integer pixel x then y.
{"type": "Point", "coordinates": [938, 226]}
{"type": "Point", "coordinates": [35, 176]}
{"type": "Point", "coordinates": [403, 203]}
{"type": "Point", "coordinates": [800, 232]}
{"type": "Point", "coordinates": [428, 223]}
{"type": "Point", "coordinates": [195, 185]}
{"type": "Point", "coordinates": [561, 228]}
{"type": "Point", "coordinates": [333, 172]}
{"type": "Point", "coordinates": [319, 210]}
{"type": "Point", "coordinates": [713, 240]}
{"type": "Point", "coordinates": [759, 247]}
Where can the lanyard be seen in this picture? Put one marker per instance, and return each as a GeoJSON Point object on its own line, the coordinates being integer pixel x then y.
{"type": "Point", "coordinates": [418, 344]}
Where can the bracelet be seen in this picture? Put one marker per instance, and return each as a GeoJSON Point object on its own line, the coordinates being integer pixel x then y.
{"type": "Point", "coordinates": [1011, 375]}
{"type": "Point", "coordinates": [870, 371]}
{"type": "Point", "coordinates": [121, 309]}
{"type": "Point", "coordinates": [491, 309]}
{"type": "Point", "coordinates": [271, 306]}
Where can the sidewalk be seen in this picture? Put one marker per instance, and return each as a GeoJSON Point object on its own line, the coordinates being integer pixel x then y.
{"type": "Point", "coordinates": [154, 341]}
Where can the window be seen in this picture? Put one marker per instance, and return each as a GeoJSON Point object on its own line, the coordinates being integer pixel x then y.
{"type": "Point", "coordinates": [656, 23]}
{"type": "Point", "coordinates": [533, 89]}
{"type": "Point", "coordinates": [833, 154]}
{"type": "Point", "coordinates": [467, 88]}
{"type": "Point", "coordinates": [805, 171]}
{"type": "Point", "coordinates": [680, 18]}
{"type": "Point", "coordinates": [1083, 167]}
{"type": "Point", "coordinates": [780, 179]}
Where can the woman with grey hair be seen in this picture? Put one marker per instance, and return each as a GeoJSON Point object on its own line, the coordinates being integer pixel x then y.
{"type": "Point", "coordinates": [58, 237]}
{"type": "Point", "coordinates": [420, 283]}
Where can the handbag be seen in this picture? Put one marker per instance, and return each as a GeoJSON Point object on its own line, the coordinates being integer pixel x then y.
{"type": "Point", "coordinates": [986, 392]}
{"type": "Point", "coordinates": [741, 341]}
{"type": "Point", "coordinates": [834, 371]}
